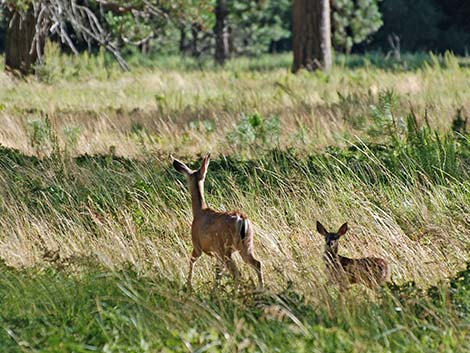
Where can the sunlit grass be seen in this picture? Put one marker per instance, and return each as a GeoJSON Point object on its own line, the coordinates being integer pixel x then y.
{"type": "Point", "coordinates": [167, 104]}
{"type": "Point", "coordinates": [96, 247]}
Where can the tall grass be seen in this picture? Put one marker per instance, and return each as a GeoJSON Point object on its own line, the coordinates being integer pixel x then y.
{"type": "Point", "coordinates": [95, 223]}
{"type": "Point", "coordinates": [407, 201]}
{"type": "Point", "coordinates": [54, 312]}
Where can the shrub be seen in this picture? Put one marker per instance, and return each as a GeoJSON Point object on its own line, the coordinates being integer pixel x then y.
{"type": "Point", "coordinates": [256, 131]}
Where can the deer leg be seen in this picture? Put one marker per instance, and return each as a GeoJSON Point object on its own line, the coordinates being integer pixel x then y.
{"type": "Point", "coordinates": [218, 272]}
{"type": "Point", "coordinates": [250, 260]}
{"type": "Point", "coordinates": [343, 282]}
{"type": "Point", "coordinates": [232, 267]}
{"type": "Point", "coordinates": [194, 256]}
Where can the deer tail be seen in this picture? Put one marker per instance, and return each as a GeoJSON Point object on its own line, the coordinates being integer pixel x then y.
{"type": "Point", "coordinates": [244, 227]}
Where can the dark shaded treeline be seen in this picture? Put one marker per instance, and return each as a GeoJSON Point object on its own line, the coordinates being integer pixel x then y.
{"type": "Point", "coordinates": [421, 25]}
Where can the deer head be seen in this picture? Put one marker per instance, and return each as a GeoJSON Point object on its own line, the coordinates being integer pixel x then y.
{"type": "Point", "coordinates": [332, 238]}
{"type": "Point", "coordinates": [196, 181]}
{"type": "Point", "coordinates": [199, 174]}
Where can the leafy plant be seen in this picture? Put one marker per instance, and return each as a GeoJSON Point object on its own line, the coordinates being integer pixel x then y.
{"type": "Point", "coordinates": [384, 122]}
{"type": "Point", "coordinates": [354, 21]}
{"type": "Point", "coordinates": [72, 135]}
{"type": "Point", "coordinates": [256, 131]}
{"type": "Point", "coordinates": [257, 26]}
{"type": "Point", "coordinates": [41, 136]}
{"type": "Point", "coordinates": [207, 125]}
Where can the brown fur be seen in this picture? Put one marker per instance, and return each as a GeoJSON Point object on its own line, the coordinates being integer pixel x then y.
{"type": "Point", "coordinates": [369, 271]}
{"type": "Point", "coordinates": [215, 233]}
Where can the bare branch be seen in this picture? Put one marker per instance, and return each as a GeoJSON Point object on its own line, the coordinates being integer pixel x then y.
{"type": "Point", "coordinates": [66, 18]}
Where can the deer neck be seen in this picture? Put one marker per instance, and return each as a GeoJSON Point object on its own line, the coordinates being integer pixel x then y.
{"type": "Point", "coordinates": [197, 196]}
{"type": "Point", "coordinates": [331, 256]}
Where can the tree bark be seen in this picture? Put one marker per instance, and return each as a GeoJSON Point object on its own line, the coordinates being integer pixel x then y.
{"type": "Point", "coordinates": [311, 35]}
{"type": "Point", "coordinates": [19, 54]}
{"type": "Point", "coordinates": [195, 29]}
{"type": "Point", "coordinates": [221, 32]}
{"type": "Point", "coordinates": [182, 43]}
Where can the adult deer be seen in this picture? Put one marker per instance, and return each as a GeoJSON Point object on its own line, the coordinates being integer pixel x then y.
{"type": "Point", "coordinates": [370, 271]}
{"type": "Point", "coordinates": [215, 233]}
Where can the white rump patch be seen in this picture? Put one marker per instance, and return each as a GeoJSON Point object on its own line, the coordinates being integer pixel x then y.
{"type": "Point", "coordinates": [238, 223]}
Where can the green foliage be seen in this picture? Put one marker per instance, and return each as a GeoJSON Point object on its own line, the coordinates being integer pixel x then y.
{"type": "Point", "coordinates": [383, 120]}
{"type": "Point", "coordinates": [460, 291]}
{"type": "Point", "coordinates": [72, 135]}
{"type": "Point", "coordinates": [125, 26]}
{"type": "Point", "coordinates": [41, 135]}
{"type": "Point", "coordinates": [206, 126]}
{"type": "Point", "coordinates": [256, 131]}
{"type": "Point", "coordinates": [353, 22]}
{"type": "Point", "coordinates": [20, 5]}
{"type": "Point", "coordinates": [131, 29]}
{"type": "Point", "coordinates": [159, 23]}
{"type": "Point", "coordinates": [54, 310]}
{"type": "Point", "coordinates": [62, 67]}
{"type": "Point", "coordinates": [256, 25]}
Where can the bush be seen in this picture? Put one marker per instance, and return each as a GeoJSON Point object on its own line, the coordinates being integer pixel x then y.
{"type": "Point", "coordinates": [255, 131]}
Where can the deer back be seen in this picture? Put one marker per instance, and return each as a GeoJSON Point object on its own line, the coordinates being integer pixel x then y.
{"type": "Point", "coordinates": [371, 271]}
{"type": "Point", "coordinates": [221, 233]}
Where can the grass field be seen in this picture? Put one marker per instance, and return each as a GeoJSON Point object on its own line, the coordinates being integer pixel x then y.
{"type": "Point", "coordinates": [95, 223]}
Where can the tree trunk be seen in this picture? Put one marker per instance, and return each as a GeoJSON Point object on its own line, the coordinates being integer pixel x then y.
{"type": "Point", "coordinates": [145, 47]}
{"type": "Point", "coordinates": [19, 54]}
{"type": "Point", "coordinates": [221, 32]}
{"type": "Point", "coordinates": [182, 43]}
{"type": "Point", "coordinates": [311, 35]}
{"type": "Point", "coordinates": [195, 28]}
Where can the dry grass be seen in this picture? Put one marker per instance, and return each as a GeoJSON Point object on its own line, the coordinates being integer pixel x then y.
{"type": "Point", "coordinates": [162, 104]}
{"type": "Point", "coordinates": [121, 223]}
{"type": "Point", "coordinates": [148, 113]}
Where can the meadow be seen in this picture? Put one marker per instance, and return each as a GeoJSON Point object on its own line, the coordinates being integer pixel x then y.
{"type": "Point", "coordinates": [95, 222]}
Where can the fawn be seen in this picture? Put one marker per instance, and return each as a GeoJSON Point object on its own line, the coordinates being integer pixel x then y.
{"type": "Point", "coordinates": [215, 233]}
{"type": "Point", "coordinates": [370, 271]}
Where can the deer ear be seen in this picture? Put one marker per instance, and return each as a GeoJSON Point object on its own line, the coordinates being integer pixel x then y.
{"type": "Point", "coordinates": [205, 165]}
{"type": "Point", "coordinates": [181, 167]}
{"type": "Point", "coordinates": [321, 229]}
{"type": "Point", "coordinates": [343, 229]}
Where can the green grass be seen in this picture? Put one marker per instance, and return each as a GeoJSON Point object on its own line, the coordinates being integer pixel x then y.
{"type": "Point", "coordinates": [95, 222]}
{"type": "Point", "coordinates": [53, 311]}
